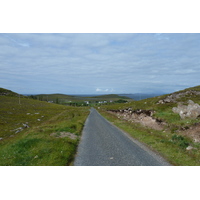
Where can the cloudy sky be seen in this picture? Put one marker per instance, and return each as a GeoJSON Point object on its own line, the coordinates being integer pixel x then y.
{"type": "Point", "coordinates": [99, 63]}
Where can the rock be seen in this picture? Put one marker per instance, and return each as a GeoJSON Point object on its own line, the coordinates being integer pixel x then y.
{"type": "Point", "coordinates": [196, 140]}
{"type": "Point", "coordinates": [144, 117]}
{"type": "Point", "coordinates": [18, 130]}
{"type": "Point", "coordinates": [190, 102]}
{"type": "Point", "coordinates": [1, 138]}
{"type": "Point", "coordinates": [189, 148]}
{"type": "Point", "coordinates": [175, 110]}
{"type": "Point", "coordinates": [173, 97]}
{"type": "Point", "coordinates": [25, 125]}
{"type": "Point", "coordinates": [191, 111]}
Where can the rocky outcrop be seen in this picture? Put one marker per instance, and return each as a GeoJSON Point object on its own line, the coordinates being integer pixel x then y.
{"type": "Point", "coordinates": [192, 110]}
{"type": "Point", "coordinates": [144, 117]}
{"type": "Point", "coordinates": [173, 97]}
{"type": "Point", "coordinates": [5, 92]}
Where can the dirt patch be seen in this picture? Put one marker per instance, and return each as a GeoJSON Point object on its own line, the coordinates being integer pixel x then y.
{"type": "Point", "coordinates": [193, 132]}
{"type": "Point", "coordinates": [64, 134]}
{"type": "Point", "coordinates": [143, 117]}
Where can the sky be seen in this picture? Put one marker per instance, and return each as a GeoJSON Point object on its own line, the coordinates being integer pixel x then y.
{"type": "Point", "coordinates": [99, 63]}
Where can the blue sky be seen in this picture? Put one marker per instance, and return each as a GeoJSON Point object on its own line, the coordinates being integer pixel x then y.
{"type": "Point", "coordinates": [99, 63]}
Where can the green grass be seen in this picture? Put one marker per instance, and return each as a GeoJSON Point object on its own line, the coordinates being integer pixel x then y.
{"type": "Point", "coordinates": [35, 146]}
{"type": "Point", "coordinates": [169, 145]}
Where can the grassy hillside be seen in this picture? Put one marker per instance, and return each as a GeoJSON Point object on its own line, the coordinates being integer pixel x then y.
{"type": "Point", "coordinates": [38, 133]}
{"type": "Point", "coordinates": [174, 138]}
{"type": "Point", "coordinates": [5, 92]}
{"type": "Point", "coordinates": [79, 100]}
{"type": "Point", "coordinates": [111, 96]}
{"type": "Point", "coordinates": [53, 97]}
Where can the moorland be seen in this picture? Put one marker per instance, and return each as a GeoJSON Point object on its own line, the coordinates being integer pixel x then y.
{"type": "Point", "coordinates": [45, 130]}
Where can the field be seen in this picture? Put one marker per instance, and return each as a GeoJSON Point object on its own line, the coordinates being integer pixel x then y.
{"type": "Point", "coordinates": [36, 133]}
{"type": "Point", "coordinates": [81, 100]}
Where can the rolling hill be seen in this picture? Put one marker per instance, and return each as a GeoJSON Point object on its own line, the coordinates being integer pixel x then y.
{"type": "Point", "coordinates": [5, 92]}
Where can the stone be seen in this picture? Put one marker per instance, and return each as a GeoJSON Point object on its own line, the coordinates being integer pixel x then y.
{"type": "Point", "coordinates": [192, 110]}
{"type": "Point", "coordinates": [175, 110]}
{"type": "Point", "coordinates": [190, 102]}
{"type": "Point", "coordinates": [25, 125]}
{"type": "Point", "coordinates": [189, 148]}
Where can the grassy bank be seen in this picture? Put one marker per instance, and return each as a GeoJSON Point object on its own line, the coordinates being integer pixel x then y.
{"type": "Point", "coordinates": [167, 144]}
{"type": "Point", "coordinates": [35, 133]}
{"type": "Point", "coordinates": [173, 141]}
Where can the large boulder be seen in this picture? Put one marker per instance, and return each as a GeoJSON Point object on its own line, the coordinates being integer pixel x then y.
{"type": "Point", "coordinates": [192, 110]}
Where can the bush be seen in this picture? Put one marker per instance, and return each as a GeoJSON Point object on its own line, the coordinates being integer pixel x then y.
{"type": "Point", "coordinates": [180, 140]}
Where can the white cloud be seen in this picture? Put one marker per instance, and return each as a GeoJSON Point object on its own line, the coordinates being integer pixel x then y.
{"type": "Point", "coordinates": [104, 90]}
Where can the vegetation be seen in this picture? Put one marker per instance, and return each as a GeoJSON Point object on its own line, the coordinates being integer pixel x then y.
{"type": "Point", "coordinates": [169, 142]}
{"type": "Point", "coordinates": [111, 96]}
{"type": "Point", "coordinates": [81, 101]}
{"type": "Point", "coordinates": [168, 145]}
{"type": "Point", "coordinates": [40, 133]}
{"type": "Point", "coordinates": [37, 133]}
{"type": "Point", "coordinates": [5, 92]}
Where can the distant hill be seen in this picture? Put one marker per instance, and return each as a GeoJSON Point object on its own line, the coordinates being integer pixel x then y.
{"type": "Point", "coordinates": [54, 96]}
{"type": "Point", "coordinates": [107, 96]}
{"type": "Point", "coordinates": [5, 92]}
{"type": "Point", "coordinates": [139, 96]}
{"type": "Point", "coordinates": [81, 99]}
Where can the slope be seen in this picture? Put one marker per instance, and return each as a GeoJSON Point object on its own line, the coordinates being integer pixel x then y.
{"type": "Point", "coordinates": [154, 122]}
{"type": "Point", "coordinates": [35, 133]}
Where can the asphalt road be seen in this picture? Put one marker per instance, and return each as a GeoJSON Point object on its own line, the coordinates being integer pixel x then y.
{"type": "Point", "coordinates": [103, 144]}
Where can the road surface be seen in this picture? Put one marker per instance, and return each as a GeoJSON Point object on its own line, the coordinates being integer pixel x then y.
{"type": "Point", "coordinates": [103, 144]}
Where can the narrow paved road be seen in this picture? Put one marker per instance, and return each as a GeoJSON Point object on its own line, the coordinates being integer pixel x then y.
{"type": "Point", "coordinates": [103, 144]}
